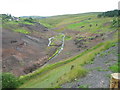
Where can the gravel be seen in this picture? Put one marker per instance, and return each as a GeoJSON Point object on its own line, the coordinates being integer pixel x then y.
{"type": "Point", "coordinates": [99, 72]}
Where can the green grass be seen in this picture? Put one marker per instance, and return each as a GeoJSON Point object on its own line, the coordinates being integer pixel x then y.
{"type": "Point", "coordinates": [54, 75]}
{"type": "Point", "coordinates": [22, 31]}
{"type": "Point", "coordinates": [59, 20]}
{"type": "Point", "coordinates": [114, 67]}
{"type": "Point", "coordinates": [54, 54]}
{"type": "Point", "coordinates": [57, 38]}
{"type": "Point", "coordinates": [94, 29]}
{"type": "Point", "coordinates": [46, 24]}
{"type": "Point", "coordinates": [72, 26]}
{"type": "Point", "coordinates": [68, 37]}
{"type": "Point", "coordinates": [83, 86]}
{"type": "Point", "coordinates": [68, 53]}
{"type": "Point", "coordinates": [18, 22]}
{"type": "Point", "coordinates": [76, 72]}
{"type": "Point", "coordinates": [23, 22]}
{"type": "Point", "coordinates": [14, 26]}
{"type": "Point", "coordinates": [74, 22]}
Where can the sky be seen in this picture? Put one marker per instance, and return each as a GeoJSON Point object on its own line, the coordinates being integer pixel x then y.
{"type": "Point", "coordinates": [55, 7]}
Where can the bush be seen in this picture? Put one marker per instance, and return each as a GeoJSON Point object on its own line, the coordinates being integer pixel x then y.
{"type": "Point", "coordinates": [30, 20]}
{"type": "Point", "coordinates": [9, 81]}
{"type": "Point", "coordinates": [114, 68]}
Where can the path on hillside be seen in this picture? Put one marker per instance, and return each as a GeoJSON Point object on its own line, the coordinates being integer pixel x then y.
{"type": "Point", "coordinates": [99, 75]}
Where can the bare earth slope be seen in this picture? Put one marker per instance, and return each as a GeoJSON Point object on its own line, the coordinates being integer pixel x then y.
{"type": "Point", "coordinates": [23, 53]}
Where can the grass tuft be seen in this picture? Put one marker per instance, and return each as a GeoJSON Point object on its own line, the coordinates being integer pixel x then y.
{"type": "Point", "coordinates": [72, 75]}
{"type": "Point", "coordinates": [22, 31]}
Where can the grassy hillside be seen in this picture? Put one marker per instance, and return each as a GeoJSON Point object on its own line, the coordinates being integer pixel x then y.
{"type": "Point", "coordinates": [61, 72]}
{"type": "Point", "coordinates": [87, 23]}
{"type": "Point", "coordinates": [53, 75]}
{"type": "Point", "coordinates": [86, 36]}
{"type": "Point", "coordinates": [55, 21]}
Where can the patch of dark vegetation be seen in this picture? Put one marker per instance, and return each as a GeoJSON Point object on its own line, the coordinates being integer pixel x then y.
{"type": "Point", "coordinates": [9, 81]}
{"type": "Point", "coordinates": [90, 25]}
{"type": "Point", "coordinates": [82, 26]}
{"type": "Point", "coordinates": [72, 67]}
{"type": "Point", "coordinates": [29, 20]}
{"type": "Point", "coordinates": [81, 42]}
{"type": "Point", "coordinates": [9, 17]}
{"type": "Point", "coordinates": [112, 13]}
{"type": "Point", "coordinates": [13, 41]}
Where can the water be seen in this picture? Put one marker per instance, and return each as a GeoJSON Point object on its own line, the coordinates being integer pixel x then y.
{"type": "Point", "coordinates": [61, 47]}
{"type": "Point", "coordinates": [50, 41]}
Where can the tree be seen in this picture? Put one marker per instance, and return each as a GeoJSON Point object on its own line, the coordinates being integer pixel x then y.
{"type": "Point", "coordinates": [116, 22]}
{"type": "Point", "coordinates": [99, 15]}
{"type": "Point", "coordinates": [113, 13]}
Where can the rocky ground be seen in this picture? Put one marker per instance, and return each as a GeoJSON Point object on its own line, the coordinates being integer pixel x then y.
{"type": "Point", "coordinates": [99, 72]}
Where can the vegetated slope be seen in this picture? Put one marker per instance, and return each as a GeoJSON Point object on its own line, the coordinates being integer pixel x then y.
{"type": "Point", "coordinates": [88, 34]}
{"type": "Point", "coordinates": [24, 43]}
{"type": "Point", "coordinates": [104, 64]}
{"type": "Point", "coordinates": [82, 31]}
{"type": "Point", "coordinates": [59, 73]}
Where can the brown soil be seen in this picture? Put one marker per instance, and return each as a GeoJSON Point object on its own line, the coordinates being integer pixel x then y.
{"type": "Point", "coordinates": [22, 55]}
{"type": "Point", "coordinates": [71, 49]}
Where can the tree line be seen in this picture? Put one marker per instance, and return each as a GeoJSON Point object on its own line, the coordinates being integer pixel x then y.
{"type": "Point", "coordinates": [113, 13]}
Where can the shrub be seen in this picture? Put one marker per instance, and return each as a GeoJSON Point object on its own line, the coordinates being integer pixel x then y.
{"type": "Point", "coordinates": [9, 81]}
{"type": "Point", "coordinates": [22, 31]}
{"type": "Point", "coordinates": [29, 20]}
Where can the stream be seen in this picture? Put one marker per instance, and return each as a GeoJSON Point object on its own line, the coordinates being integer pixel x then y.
{"type": "Point", "coordinates": [50, 41]}
{"type": "Point", "coordinates": [61, 47]}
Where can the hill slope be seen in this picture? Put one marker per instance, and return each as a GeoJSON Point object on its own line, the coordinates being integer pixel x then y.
{"type": "Point", "coordinates": [86, 36]}
{"type": "Point", "coordinates": [24, 45]}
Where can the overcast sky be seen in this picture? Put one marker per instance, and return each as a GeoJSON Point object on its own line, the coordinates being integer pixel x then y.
{"type": "Point", "coordinates": [55, 7]}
